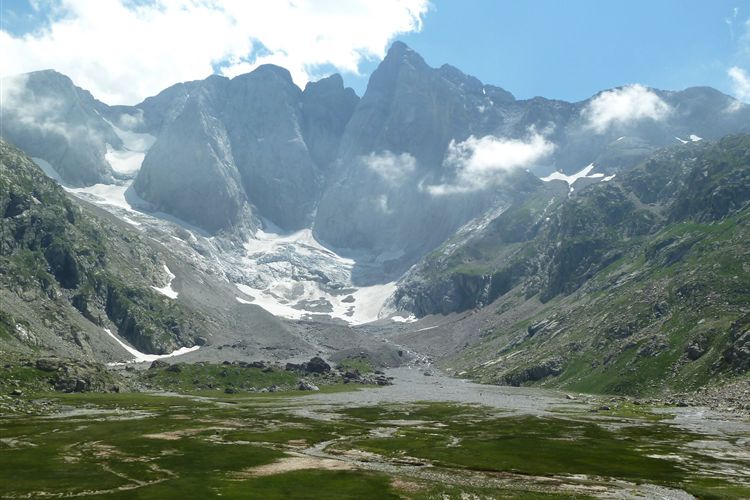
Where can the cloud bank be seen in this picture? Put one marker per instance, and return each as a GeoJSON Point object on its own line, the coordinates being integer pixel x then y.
{"type": "Point", "coordinates": [124, 50]}
{"type": "Point", "coordinates": [623, 106]}
{"type": "Point", "coordinates": [481, 163]}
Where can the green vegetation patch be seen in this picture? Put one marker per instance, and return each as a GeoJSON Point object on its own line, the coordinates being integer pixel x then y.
{"type": "Point", "coordinates": [184, 377]}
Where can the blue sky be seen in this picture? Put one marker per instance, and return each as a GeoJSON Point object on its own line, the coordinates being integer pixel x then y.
{"type": "Point", "coordinates": [565, 49]}
{"type": "Point", "coordinates": [570, 49]}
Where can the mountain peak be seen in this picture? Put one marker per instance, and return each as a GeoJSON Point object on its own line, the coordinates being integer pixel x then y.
{"type": "Point", "coordinates": [269, 69]}
{"type": "Point", "coordinates": [401, 52]}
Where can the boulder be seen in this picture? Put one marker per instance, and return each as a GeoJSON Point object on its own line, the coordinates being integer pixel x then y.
{"type": "Point", "coordinates": [317, 365]}
{"type": "Point", "coordinates": [304, 385]}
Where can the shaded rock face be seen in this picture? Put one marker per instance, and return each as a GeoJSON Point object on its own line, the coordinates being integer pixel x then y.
{"type": "Point", "coordinates": [255, 144]}
{"type": "Point", "coordinates": [392, 147]}
{"type": "Point", "coordinates": [326, 109]}
{"type": "Point", "coordinates": [190, 171]}
{"type": "Point", "coordinates": [48, 117]}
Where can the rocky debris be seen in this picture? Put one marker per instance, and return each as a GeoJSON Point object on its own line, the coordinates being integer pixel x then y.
{"type": "Point", "coordinates": [315, 365]}
{"type": "Point", "coordinates": [730, 397]}
{"type": "Point", "coordinates": [304, 385]}
{"type": "Point", "coordinates": [64, 375]}
{"type": "Point", "coordinates": [543, 325]}
{"type": "Point", "coordinates": [20, 405]}
{"type": "Point", "coordinates": [738, 354]}
{"type": "Point", "coordinates": [49, 364]}
{"type": "Point", "coordinates": [353, 376]}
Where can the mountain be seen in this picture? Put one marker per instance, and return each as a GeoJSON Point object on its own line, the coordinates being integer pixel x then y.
{"type": "Point", "coordinates": [533, 241]}
{"type": "Point", "coordinates": [413, 118]}
{"type": "Point", "coordinates": [67, 275]}
{"type": "Point", "coordinates": [80, 283]}
{"type": "Point", "coordinates": [47, 116]}
{"type": "Point", "coordinates": [390, 176]}
{"type": "Point", "coordinates": [254, 146]}
{"type": "Point", "coordinates": [636, 285]}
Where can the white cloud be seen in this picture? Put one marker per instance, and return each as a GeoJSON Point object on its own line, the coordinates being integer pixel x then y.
{"type": "Point", "coordinates": [392, 168]}
{"type": "Point", "coordinates": [624, 105]}
{"type": "Point", "coordinates": [480, 163]}
{"type": "Point", "coordinates": [740, 84]}
{"type": "Point", "coordinates": [46, 114]}
{"type": "Point", "coordinates": [124, 50]}
{"type": "Point", "coordinates": [382, 204]}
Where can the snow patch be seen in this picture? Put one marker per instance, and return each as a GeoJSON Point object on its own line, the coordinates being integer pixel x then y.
{"type": "Point", "coordinates": [124, 161]}
{"type": "Point", "coordinates": [404, 319]}
{"type": "Point", "coordinates": [691, 138]}
{"type": "Point", "coordinates": [301, 300]}
{"type": "Point", "coordinates": [141, 357]}
{"type": "Point", "coordinates": [571, 179]}
{"type": "Point", "coordinates": [167, 289]}
{"type": "Point", "coordinates": [104, 194]}
{"type": "Point", "coordinates": [135, 146]}
{"type": "Point", "coordinates": [294, 276]}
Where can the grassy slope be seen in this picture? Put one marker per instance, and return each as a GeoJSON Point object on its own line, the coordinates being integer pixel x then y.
{"type": "Point", "coordinates": [58, 261]}
{"type": "Point", "coordinates": [645, 281]}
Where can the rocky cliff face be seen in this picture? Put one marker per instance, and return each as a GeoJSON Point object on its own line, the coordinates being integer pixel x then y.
{"type": "Point", "coordinates": [402, 140]}
{"type": "Point", "coordinates": [231, 151]}
{"type": "Point", "coordinates": [392, 148]}
{"type": "Point", "coordinates": [190, 170]}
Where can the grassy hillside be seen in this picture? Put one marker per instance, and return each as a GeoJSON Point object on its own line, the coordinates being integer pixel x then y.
{"type": "Point", "coordinates": [642, 283]}
{"type": "Point", "coordinates": [64, 271]}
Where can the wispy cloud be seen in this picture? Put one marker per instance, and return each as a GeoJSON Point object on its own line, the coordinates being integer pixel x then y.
{"type": "Point", "coordinates": [392, 168]}
{"type": "Point", "coordinates": [731, 19]}
{"type": "Point", "coordinates": [623, 106]}
{"type": "Point", "coordinates": [124, 50]}
{"type": "Point", "coordinates": [44, 114]}
{"type": "Point", "coordinates": [740, 85]}
{"type": "Point", "coordinates": [480, 163]}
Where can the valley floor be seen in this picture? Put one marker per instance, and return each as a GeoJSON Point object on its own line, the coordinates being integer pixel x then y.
{"type": "Point", "coordinates": [424, 437]}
